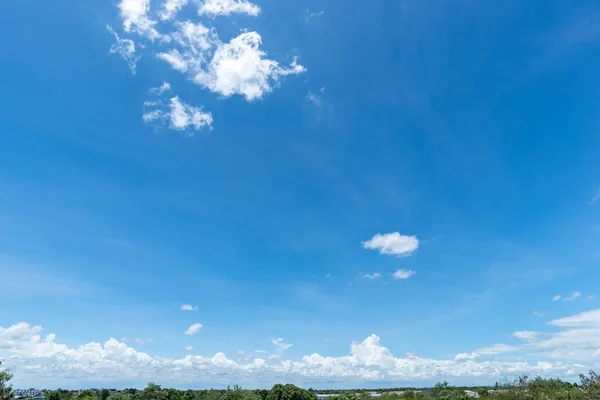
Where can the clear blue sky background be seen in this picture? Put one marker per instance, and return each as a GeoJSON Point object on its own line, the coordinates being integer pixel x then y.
{"type": "Point", "coordinates": [472, 125]}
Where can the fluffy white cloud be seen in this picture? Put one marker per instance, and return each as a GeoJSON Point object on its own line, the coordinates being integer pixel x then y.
{"type": "Point", "coordinates": [392, 244]}
{"type": "Point", "coordinates": [30, 356]}
{"type": "Point", "coordinates": [189, 307]}
{"type": "Point", "coordinates": [225, 7]}
{"type": "Point", "coordinates": [177, 114]}
{"type": "Point", "coordinates": [135, 18]}
{"type": "Point", "coordinates": [193, 329]}
{"type": "Point", "coordinates": [171, 8]}
{"type": "Point", "coordinates": [374, 275]}
{"type": "Point", "coordinates": [125, 48]}
{"type": "Point", "coordinates": [240, 67]}
{"type": "Point", "coordinates": [403, 274]}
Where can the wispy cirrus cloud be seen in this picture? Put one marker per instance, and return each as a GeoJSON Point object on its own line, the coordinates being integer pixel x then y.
{"type": "Point", "coordinates": [374, 275]}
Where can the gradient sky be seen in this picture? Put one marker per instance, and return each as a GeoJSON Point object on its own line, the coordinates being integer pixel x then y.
{"type": "Point", "coordinates": [340, 193]}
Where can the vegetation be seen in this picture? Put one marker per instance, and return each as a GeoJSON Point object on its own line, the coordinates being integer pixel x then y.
{"type": "Point", "coordinates": [521, 389]}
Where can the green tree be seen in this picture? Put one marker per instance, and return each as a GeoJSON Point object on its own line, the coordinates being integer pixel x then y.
{"type": "Point", "coordinates": [6, 390]}
{"type": "Point", "coordinates": [104, 394]}
{"type": "Point", "coordinates": [86, 395]}
{"type": "Point", "coordinates": [289, 392]}
{"type": "Point", "coordinates": [590, 385]}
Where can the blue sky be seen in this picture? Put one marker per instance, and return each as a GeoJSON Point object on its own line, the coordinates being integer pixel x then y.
{"type": "Point", "coordinates": [244, 164]}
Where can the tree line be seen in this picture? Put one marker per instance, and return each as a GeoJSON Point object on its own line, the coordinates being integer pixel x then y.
{"type": "Point", "coordinates": [521, 388]}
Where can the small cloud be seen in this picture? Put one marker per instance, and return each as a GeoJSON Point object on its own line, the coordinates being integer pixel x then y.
{"type": "Point", "coordinates": [171, 7]}
{"type": "Point", "coordinates": [328, 340]}
{"type": "Point", "coordinates": [557, 297]}
{"type": "Point", "coordinates": [193, 329]}
{"type": "Point", "coordinates": [312, 14]}
{"type": "Point", "coordinates": [538, 314]}
{"type": "Point", "coordinates": [465, 356]}
{"type": "Point", "coordinates": [316, 98]}
{"type": "Point", "coordinates": [595, 198]}
{"type": "Point", "coordinates": [124, 339]}
{"type": "Point", "coordinates": [189, 348]}
{"type": "Point", "coordinates": [374, 275]}
{"type": "Point", "coordinates": [281, 345]}
{"type": "Point", "coordinates": [574, 296]}
{"type": "Point", "coordinates": [125, 48]}
{"type": "Point", "coordinates": [591, 297]}
{"type": "Point", "coordinates": [177, 114]}
{"type": "Point", "coordinates": [260, 351]}
{"type": "Point", "coordinates": [525, 335]}
{"type": "Point", "coordinates": [213, 8]}
{"type": "Point", "coordinates": [188, 307]}
{"type": "Point", "coordinates": [143, 341]}
{"type": "Point", "coordinates": [497, 349]}
{"type": "Point", "coordinates": [392, 244]}
{"type": "Point", "coordinates": [165, 87]}
{"type": "Point", "coordinates": [403, 274]}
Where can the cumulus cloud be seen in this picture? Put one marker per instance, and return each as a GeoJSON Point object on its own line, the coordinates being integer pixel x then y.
{"type": "Point", "coordinates": [171, 8]}
{"type": "Point", "coordinates": [374, 275]}
{"type": "Point", "coordinates": [403, 274]}
{"type": "Point", "coordinates": [188, 307]}
{"type": "Point", "coordinates": [392, 244]}
{"type": "Point", "coordinates": [125, 48]}
{"type": "Point", "coordinates": [176, 114]}
{"type": "Point", "coordinates": [240, 67]}
{"type": "Point", "coordinates": [193, 329]}
{"type": "Point", "coordinates": [31, 356]}
{"type": "Point", "coordinates": [215, 8]}
{"type": "Point", "coordinates": [135, 18]}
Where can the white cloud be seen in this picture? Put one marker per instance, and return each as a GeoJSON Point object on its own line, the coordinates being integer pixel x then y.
{"type": "Point", "coordinates": [178, 115]}
{"type": "Point", "coordinates": [574, 296]}
{"type": "Point", "coordinates": [171, 8]}
{"type": "Point", "coordinates": [193, 329]}
{"type": "Point", "coordinates": [466, 356]}
{"type": "Point", "coordinates": [143, 341]}
{"type": "Point", "coordinates": [240, 67]}
{"type": "Point", "coordinates": [135, 18]}
{"type": "Point", "coordinates": [403, 274]}
{"type": "Point", "coordinates": [31, 356]}
{"type": "Point", "coordinates": [525, 335]}
{"type": "Point", "coordinates": [538, 314]}
{"type": "Point", "coordinates": [497, 349]}
{"type": "Point", "coordinates": [215, 8]}
{"type": "Point", "coordinates": [588, 319]}
{"type": "Point", "coordinates": [280, 345]}
{"type": "Point", "coordinates": [189, 307]}
{"type": "Point", "coordinates": [557, 297]}
{"type": "Point", "coordinates": [595, 198]}
{"type": "Point", "coordinates": [189, 348]}
{"type": "Point", "coordinates": [125, 48]}
{"type": "Point", "coordinates": [260, 351]}
{"type": "Point", "coordinates": [374, 275]}
{"type": "Point", "coordinates": [165, 87]}
{"type": "Point", "coordinates": [392, 244]}
{"type": "Point", "coordinates": [312, 14]}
